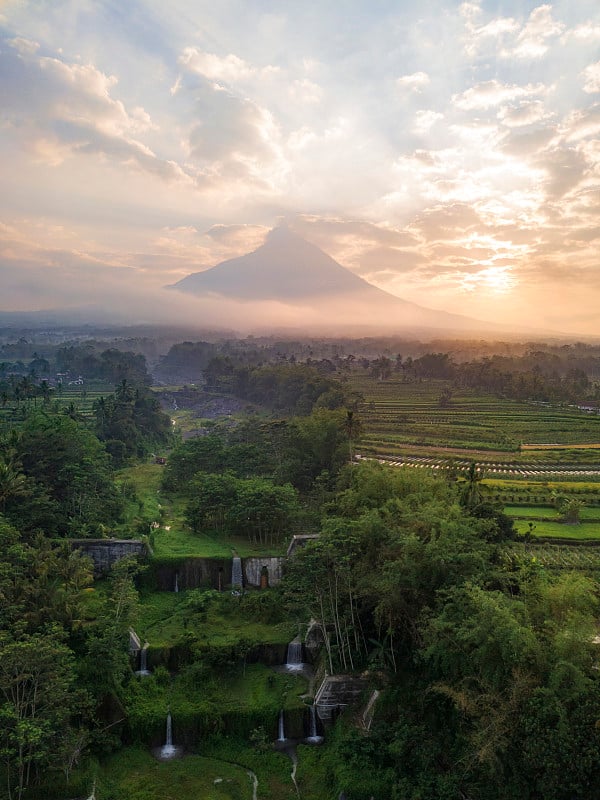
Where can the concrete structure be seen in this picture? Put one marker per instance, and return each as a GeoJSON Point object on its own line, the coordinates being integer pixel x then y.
{"type": "Point", "coordinates": [106, 552]}
{"type": "Point", "coordinates": [299, 540]}
{"type": "Point", "coordinates": [336, 693]}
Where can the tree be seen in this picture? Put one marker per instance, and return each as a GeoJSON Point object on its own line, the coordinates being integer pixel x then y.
{"type": "Point", "coordinates": [12, 479]}
{"type": "Point", "coordinates": [36, 699]}
{"type": "Point", "coordinates": [471, 493]}
{"type": "Point", "coordinates": [352, 428]}
{"type": "Point", "coordinates": [569, 508]}
{"type": "Point", "coordinates": [69, 466]}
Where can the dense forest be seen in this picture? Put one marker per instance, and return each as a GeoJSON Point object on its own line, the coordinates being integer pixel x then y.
{"type": "Point", "coordinates": [485, 660]}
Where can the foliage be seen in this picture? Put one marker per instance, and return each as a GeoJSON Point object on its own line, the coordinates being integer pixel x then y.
{"type": "Point", "coordinates": [477, 655]}
{"type": "Point", "coordinates": [68, 486]}
{"type": "Point", "coordinates": [36, 702]}
{"type": "Point", "coordinates": [130, 422]}
{"type": "Point", "coordinates": [291, 388]}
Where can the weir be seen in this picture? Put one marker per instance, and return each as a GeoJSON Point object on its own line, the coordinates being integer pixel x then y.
{"type": "Point", "coordinates": [313, 737]}
{"type": "Point", "coordinates": [169, 750]}
{"type": "Point", "coordinates": [281, 729]}
{"type": "Point", "coordinates": [294, 661]}
{"type": "Point", "coordinates": [143, 670]}
{"type": "Point", "coordinates": [237, 581]}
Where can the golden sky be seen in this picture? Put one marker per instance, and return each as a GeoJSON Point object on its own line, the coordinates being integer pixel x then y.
{"type": "Point", "coordinates": [447, 152]}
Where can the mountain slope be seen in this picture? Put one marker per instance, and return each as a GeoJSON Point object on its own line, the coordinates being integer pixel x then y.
{"type": "Point", "coordinates": [289, 270]}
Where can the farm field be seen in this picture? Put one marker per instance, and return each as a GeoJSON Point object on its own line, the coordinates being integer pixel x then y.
{"type": "Point", "coordinates": [560, 530]}
{"type": "Point", "coordinates": [560, 556]}
{"type": "Point", "coordinates": [404, 421]}
{"type": "Point", "coordinates": [526, 453]}
{"type": "Point", "coordinates": [79, 398]}
{"type": "Point", "coordinates": [547, 513]}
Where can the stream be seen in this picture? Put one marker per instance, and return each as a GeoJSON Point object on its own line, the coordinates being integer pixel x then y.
{"type": "Point", "coordinates": [254, 780]}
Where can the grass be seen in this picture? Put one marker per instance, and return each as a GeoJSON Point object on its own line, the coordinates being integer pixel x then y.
{"type": "Point", "coordinates": [561, 530]}
{"type": "Point", "coordinates": [271, 768]}
{"type": "Point", "coordinates": [165, 617]}
{"type": "Point", "coordinates": [173, 538]}
{"type": "Point", "coordinates": [180, 541]}
{"type": "Point", "coordinates": [232, 689]}
{"type": "Point", "coordinates": [528, 512]}
{"type": "Point", "coordinates": [133, 774]}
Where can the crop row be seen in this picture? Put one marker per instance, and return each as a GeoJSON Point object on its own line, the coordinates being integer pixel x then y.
{"type": "Point", "coordinates": [563, 557]}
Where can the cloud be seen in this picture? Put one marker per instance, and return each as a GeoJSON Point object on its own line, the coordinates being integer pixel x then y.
{"type": "Point", "coordinates": [306, 92]}
{"type": "Point", "coordinates": [230, 69]}
{"type": "Point", "coordinates": [493, 93]}
{"type": "Point", "coordinates": [58, 110]}
{"type": "Point", "coordinates": [525, 112]}
{"type": "Point", "coordinates": [479, 37]}
{"type": "Point", "coordinates": [591, 76]}
{"type": "Point", "coordinates": [24, 46]}
{"type": "Point", "coordinates": [425, 120]}
{"type": "Point", "coordinates": [532, 41]}
{"type": "Point", "coordinates": [588, 31]}
{"type": "Point", "coordinates": [415, 82]}
{"type": "Point", "coordinates": [233, 137]}
{"type": "Point", "coordinates": [240, 238]}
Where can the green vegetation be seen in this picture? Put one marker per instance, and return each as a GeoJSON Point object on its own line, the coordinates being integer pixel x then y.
{"type": "Point", "coordinates": [165, 618]}
{"type": "Point", "coordinates": [133, 774]}
{"type": "Point", "coordinates": [480, 638]}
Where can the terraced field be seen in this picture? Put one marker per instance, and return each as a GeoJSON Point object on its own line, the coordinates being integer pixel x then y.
{"type": "Point", "coordinates": [526, 453]}
{"type": "Point", "coordinates": [405, 424]}
{"type": "Point", "coordinates": [81, 397]}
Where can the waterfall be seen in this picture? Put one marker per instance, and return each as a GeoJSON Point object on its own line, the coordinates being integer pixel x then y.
{"type": "Point", "coordinates": [169, 741]}
{"type": "Point", "coordinates": [281, 736]}
{"type": "Point", "coordinates": [143, 670]}
{"type": "Point", "coordinates": [236, 574]}
{"type": "Point", "coordinates": [314, 737]}
{"type": "Point", "coordinates": [176, 587]}
{"type": "Point", "coordinates": [294, 661]}
{"type": "Point", "coordinates": [168, 750]}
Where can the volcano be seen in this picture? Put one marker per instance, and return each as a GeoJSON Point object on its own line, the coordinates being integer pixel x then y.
{"type": "Point", "coordinates": [291, 271]}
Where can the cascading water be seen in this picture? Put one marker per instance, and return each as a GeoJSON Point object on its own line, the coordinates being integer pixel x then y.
{"type": "Point", "coordinates": [314, 737]}
{"type": "Point", "coordinates": [168, 750]}
{"type": "Point", "coordinates": [293, 662]}
{"type": "Point", "coordinates": [236, 575]}
{"type": "Point", "coordinates": [281, 734]}
{"type": "Point", "coordinates": [176, 587]}
{"type": "Point", "coordinates": [143, 670]}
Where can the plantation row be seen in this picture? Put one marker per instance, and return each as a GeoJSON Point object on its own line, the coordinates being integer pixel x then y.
{"type": "Point", "coordinates": [81, 397]}
{"type": "Point", "coordinates": [562, 556]}
{"type": "Point", "coordinates": [430, 425]}
{"type": "Point", "coordinates": [509, 470]}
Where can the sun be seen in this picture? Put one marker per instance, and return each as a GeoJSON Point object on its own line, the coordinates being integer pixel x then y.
{"type": "Point", "coordinates": [493, 280]}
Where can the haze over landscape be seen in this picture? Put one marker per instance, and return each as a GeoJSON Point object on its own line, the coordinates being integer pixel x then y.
{"type": "Point", "coordinates": [446, 153]}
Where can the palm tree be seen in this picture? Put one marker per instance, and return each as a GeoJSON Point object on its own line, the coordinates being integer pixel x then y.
{"type": "Point", "coordinates": [352, 429]}
{"type": "Point", "coordinates": [471, 494]}
{"type": "Point", "coordinates": [12, 480]}
{"type": "Point", "coordinates": [45, 391]}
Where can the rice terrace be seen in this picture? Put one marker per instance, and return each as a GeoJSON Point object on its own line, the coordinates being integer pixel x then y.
{"type": "Point", "coordinates": [528, 455]}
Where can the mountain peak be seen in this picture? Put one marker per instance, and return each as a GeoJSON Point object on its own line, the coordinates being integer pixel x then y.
{"type": "Point", "coordinates": [285, 268]}
{"type": "Point", "coordinates": [291, 271]}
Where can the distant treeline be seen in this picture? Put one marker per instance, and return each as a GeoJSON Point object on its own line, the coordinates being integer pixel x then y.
{"type": "Point", "coordinates": [538, 375]}
{"type": "Point", "coordinates": [110, 366]}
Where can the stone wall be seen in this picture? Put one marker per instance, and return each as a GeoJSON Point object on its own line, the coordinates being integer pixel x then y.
{"type": "Point", "coordinates": [215, 573]}
{"type": "Point", "coordinates": [336, 693]}
{"type": "Point", "coordinates": [252, 568]}
{"type": "Point", "coordinates": [106, 552]}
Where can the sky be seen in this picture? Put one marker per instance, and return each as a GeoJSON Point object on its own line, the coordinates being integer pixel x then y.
{"type": "Point", "coordinates": [447, 152]}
